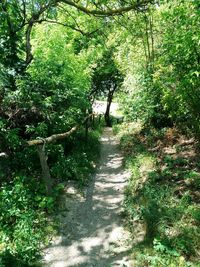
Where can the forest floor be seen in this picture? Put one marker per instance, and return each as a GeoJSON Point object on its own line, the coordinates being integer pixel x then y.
{"type": "Point", "coordinates": [162, 194]}
{"type": "Point", "coordinates": [92, 230]}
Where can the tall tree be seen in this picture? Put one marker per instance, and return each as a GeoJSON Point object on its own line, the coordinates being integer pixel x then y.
{"type": "Point", "coordinates": [107, 80]}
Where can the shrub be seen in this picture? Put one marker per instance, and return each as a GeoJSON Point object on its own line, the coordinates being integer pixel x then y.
{"type": "Point", "coordinates": [23, 207]}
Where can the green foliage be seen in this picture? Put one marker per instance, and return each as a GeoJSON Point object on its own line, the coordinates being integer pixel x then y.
{"type": "Point", "coordinates": [106, 75]}
{"type": "Point", "coordinates": [178, 69]}
{"type": "Point", "coordinates": [47, 78]}
{"type": "Point", "coordinates": [23, 220]}
{"type": "Point", "coordinates": [81, 159]}
{"type": "Point", "coordinates": [161, 196]}
{"type": "Point", "coordinates": [160, 61]}
{"type": "Point", "coordinates": [24, 205]}
{"type": "Point", "coordinates": [48, 97]}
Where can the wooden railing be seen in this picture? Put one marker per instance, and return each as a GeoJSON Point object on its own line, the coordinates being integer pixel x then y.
{"type": "Point", "coordinates": [41, 142]}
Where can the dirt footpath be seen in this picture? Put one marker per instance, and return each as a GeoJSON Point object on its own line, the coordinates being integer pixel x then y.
{"type": "Point", "coordinates": [92, 230]}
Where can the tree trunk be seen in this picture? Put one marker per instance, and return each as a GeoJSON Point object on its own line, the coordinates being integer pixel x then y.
{"type": "Point", "coordinates": [45, 170]}
{"type": "Point", "coordinates": [147, 38]}
{"type": "Point", "coordinates": [107, 113]}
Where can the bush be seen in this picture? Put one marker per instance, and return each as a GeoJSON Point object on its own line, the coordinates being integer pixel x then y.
{"type": "Point", "coordinates": [23, 207]}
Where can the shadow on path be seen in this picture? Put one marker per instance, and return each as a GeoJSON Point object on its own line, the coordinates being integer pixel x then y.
{"type": "Point", "coordinates": [93, 235]}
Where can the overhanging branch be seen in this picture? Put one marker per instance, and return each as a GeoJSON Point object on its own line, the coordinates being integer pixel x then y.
{"type": "Point", "coordinates": [69, 26]}
{"type": "Point", "coordinates": [30, 23]}
{"type": "Point", "coordinates": [62, 24]}
{"type": "Point", "coordinates": [109, 12]}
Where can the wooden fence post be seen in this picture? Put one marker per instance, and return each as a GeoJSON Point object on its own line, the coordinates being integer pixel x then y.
{"type": "Point", "coordinates": [40, 143]}
{"type": "Point", "coordinates": [45, 169]}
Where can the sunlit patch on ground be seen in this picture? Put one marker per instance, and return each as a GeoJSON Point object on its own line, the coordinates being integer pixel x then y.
{"type": "Point", "coordinates": [93, 233]}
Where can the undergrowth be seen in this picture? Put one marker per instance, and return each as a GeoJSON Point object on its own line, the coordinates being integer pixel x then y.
{"type": "Point", "coordinates": [76, 158]}
{"type": "Point", "coordinates": [23, 220]}
{"type": "Point", "coordinates": [26, 224]}
{"type": "Point", "coordinates": [162, 196]}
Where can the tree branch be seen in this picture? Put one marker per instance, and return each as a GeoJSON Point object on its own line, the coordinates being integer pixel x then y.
{"type": "Point", "coordinates": [32, 20]}
{"type": "Point", "coordinates": [23, 14]}
{"type": "Point", "coordinates": [62, 24]}
{"type": "Point", "coordinates": [109, 12]}
{"type": "Point", "coordinates": [29, 56]}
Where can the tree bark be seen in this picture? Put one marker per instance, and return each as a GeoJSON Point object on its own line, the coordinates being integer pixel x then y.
{"type": "Point", "coordinates": [109, 12]}
{"type": "Point", "coordinates": [147, 38]}
{"type": "Point", "coordinates": [45, 169]}
{"type": "Point", "coordinates": [152, 38]}
{"type": "Point", "coordinates": [107, 113]}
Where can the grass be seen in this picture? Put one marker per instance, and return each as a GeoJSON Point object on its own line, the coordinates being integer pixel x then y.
{"type": "Point", "coordinates": [162, 196]}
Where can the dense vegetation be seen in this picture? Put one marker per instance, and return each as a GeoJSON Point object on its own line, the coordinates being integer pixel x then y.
{"type": "Point", "coordinates": [162, 197]}
{"type": "Point", "coordinates": [56, 56]}
{"type": "Point", "coordinates": [159, 57]}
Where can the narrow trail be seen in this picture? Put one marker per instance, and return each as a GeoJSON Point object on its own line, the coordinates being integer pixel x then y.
{"type": "Point", "coordinates": [93, 232]}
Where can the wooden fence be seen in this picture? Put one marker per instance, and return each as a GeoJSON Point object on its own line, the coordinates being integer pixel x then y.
{"type": "Point", "coordinates": [41, 142]}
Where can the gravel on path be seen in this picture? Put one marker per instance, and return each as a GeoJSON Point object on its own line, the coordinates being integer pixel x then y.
{"type": "Point", "coordinates": [92, 229]}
